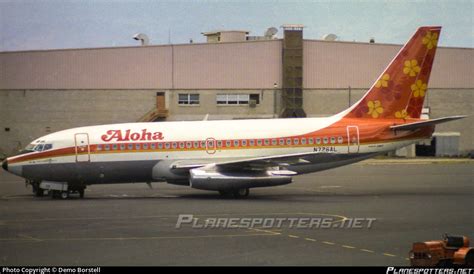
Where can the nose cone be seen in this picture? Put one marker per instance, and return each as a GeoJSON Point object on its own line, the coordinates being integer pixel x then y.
{"type": "Point", "coordinates": [5, 164]}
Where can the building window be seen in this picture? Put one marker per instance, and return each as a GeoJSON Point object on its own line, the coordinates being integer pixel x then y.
{"type": "Point", "coordinates": [188, 99]}
{"type": "Point", "coordinates": [237, 99]}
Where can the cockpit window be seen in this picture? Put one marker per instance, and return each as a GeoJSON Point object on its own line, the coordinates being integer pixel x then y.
{"type": "Point", "coordinates": [41, 147]}
{"type": "Point", "coordinates": [30, 147]}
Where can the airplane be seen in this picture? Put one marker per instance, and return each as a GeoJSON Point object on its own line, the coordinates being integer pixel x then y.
{"type": "Point", "coordinates": [232, 156]}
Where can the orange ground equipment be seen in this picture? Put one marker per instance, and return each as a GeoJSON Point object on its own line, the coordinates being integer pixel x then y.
{"type": "Point", "coordinates": [453, 250]}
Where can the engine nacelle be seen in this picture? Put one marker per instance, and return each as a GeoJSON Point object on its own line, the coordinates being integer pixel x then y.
{"type": "Point", "coordinates": [212, 179]}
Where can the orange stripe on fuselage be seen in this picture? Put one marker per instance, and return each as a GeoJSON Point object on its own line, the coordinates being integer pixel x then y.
{"type": "Point", "coordinates": [369, 132]}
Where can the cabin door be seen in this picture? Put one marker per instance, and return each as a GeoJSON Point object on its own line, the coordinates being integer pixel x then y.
{"type": "Point", "coordinates": [81, 141]}
{"type": "Point", "coordinates": [353, 139]}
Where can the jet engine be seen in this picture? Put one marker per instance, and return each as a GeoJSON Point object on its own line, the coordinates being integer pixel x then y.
{"type": "Point", "coordinates": [214, 179]}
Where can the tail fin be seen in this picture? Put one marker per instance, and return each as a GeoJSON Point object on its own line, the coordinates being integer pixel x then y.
{"type": "Point", "coordinates": [400, 90]}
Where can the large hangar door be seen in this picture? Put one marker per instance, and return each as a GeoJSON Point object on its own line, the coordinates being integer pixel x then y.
{"type": "Point", "coordinates": [82, 147]}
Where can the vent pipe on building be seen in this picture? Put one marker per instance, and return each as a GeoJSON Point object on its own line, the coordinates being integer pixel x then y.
{"type": "Point", "coordinates": [143, 38]}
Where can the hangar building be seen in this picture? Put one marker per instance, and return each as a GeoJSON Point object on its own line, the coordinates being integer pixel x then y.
{"type": "Point", "coordinates": [232, 76]}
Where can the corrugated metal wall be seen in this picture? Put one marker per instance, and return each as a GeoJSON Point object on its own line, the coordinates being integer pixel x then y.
{"type": "Point", "coordinates": [195, 66]}
{"type": "Point", "coordinates": [343, 64]}
{"type": "Point", "coordinates": [246, 65]}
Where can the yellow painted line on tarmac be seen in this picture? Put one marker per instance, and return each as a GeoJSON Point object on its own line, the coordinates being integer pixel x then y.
{"type": "Point", "coordinates": [28, 237]}
{"type": "Point", "coordinates": [367, 250]}
{"type": "Point", "coordinates": [347, 246]}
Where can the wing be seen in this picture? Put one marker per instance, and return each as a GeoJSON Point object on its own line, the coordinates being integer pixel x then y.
{"type": "Point", "coordinates": [245, 173]}
{"type": "Point", "coordinates": [259, 163]}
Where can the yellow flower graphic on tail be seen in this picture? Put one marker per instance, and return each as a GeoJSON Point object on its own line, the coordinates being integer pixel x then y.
{"type": "Point", "coordinates": [383, 82]}
{"type": "Point", "coordinates": [375, 108]}
{"type": "Point", "coordinates": [402, 114]}
{"type": "Point", "coordinates": [411, 67]}
{"type": "Point", "coordinates": [430, 39]}
{"type": "Point", "coordinates": [419, 88]}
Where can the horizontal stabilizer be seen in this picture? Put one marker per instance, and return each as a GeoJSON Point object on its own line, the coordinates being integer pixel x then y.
{"type": "Point", "coordinates": [416, 125]}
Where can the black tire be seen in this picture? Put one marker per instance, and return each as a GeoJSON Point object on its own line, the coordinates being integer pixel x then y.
{"type": "Point", "coordinates": [37, 191]}
{"type": "Point", "coordinates": [55, 194]}
{"type": "Point", "coordinates": [81, 193]}
{"type": "Point", "coordinates": [240, 193]}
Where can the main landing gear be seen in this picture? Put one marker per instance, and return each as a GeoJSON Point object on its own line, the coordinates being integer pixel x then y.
{"type": "Point", "coordinates": [235, 193]}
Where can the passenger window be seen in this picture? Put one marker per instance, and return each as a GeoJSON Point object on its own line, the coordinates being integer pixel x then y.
{"type": "Point", "coordinates": [325, 140]}
{"type": "Point", "coordinates": [288, 141]}
{"type": "Point", "coordinates": [115, 146]}
{"type": "Point", "coordinates": [99, 147]}
{"type": "Point", "coordinates": [252, 143]}
{"type": "Point", "coordinates": [303, 141]}
{"type": "Point", "coordinates": [228, 143]}
{"type": "Point", "coordinates": [107, 147]}
{"type": "Point", "coordinates": [175, 145]}
{"type": "Point", "coordinates": [340, 140]}
{"type": "Point", "coordinates": [259, 142]}
{"type": "Point", "coordinates": [244, 143]}
{"type": "Point", "coordinates": [153, 146]}
{"type": "Point", "coordinates": [189, 144]}
{"type": "Point", "coordinates": [310, 141]}
{"type": "Point", "coordinates": [130, 146]}
{"type": "Point", "coordinates": [296, 141]}
{"type": "Point", "coordinates": [267, 142]}
{"type": "Point", "coordinates": [167, 145]}
{"type": "Point", "coordinates": [145, 146]}
{"type": "Point", "coordinates": [333, 140]}
{"type": "Point", "coordinates": [282, 142]}
{"type": "Point", "coordinates": [236, 143]}
{"type": "Point", "coordinates": [137, 146]}
{"type": "Point", "coordinates": [196, 144]}
{"type": "Point", "coordinates": [318, 140]}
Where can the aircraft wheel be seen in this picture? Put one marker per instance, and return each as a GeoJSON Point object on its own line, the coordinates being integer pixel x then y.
{"type": "Point", "coordinates": [243, 192]}
{"type": "Point", "coordinates": [37, 191]}
{"type": "Point", "coordinates": [81, 193]}
{"type": "Point", "coordinates": [55, 194]}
